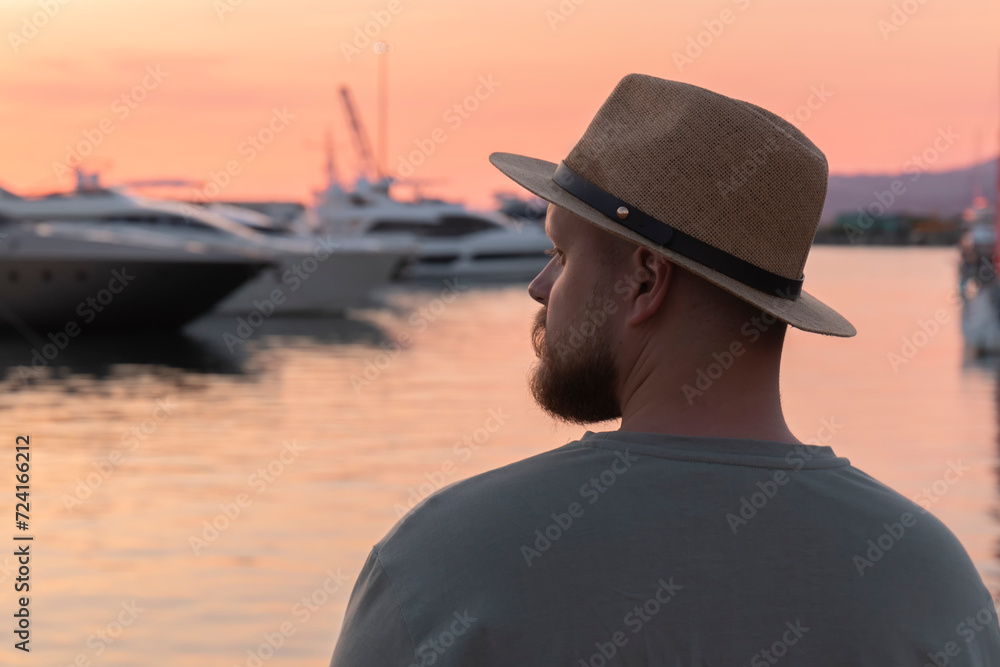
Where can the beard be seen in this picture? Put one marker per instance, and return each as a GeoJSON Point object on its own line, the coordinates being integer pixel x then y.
{"type": "Point", "coordinates": [575, 378]}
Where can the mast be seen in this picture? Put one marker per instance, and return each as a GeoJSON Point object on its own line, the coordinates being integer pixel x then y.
{"type": "Point", "coordinates": [382, 49]}
{"type": "Point", "coordinates": [361, 143]}
{"type": "Point", "coordinates": [996, 207]}
{"type": "Point", "coordinates": [331, 166]}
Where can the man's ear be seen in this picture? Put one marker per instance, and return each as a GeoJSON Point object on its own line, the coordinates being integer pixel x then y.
{"type": "Point", "coordinates": [653, 275]}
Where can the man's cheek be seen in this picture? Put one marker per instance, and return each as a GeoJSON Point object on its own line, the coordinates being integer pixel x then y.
{"type": "Point", "coordinates": [560, 294]}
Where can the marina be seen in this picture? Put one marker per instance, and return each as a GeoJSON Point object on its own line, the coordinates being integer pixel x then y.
{"type": "Point", "coordinates": [146, 441]}
{"type": "Point", "coordinates": [366, 351]}
{"type": "Point", "coordinates": [231, 259]}
{"type": "Point", "coordinates": [140, 333]}
{"type": "Point", "coordinates": [299, 365]}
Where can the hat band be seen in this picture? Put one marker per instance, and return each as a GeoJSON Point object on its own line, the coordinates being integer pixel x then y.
{"type": "Point", "coordinates": [670, 237]}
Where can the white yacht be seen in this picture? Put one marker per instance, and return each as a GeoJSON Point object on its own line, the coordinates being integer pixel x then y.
{"type": "Point", "coordinates": [454, 241]}
{"type": "Point", "coordinates": [59, 279]}
{"type": "Point", "coordinates": [311, 274]}
{"type": "Point", "coordinates": [978, 285]}
{"type": "Point", "coordinates": [321, 274]}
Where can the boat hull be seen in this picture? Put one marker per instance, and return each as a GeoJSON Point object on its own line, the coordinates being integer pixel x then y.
{"type": "Point", "coordinates": [305, 284]}
{"type": "Point", "coordinates": [493, 256]}
{"type": "Point", "coordinates": [981, 321]}
{"type": "Point", "coordinates": [488, 269]}
{"type": "Point", "coordinates": [45, 295]}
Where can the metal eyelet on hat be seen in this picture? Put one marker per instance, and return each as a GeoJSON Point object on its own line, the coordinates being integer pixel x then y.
{"type": "Point", "coordinates": [622, 212]}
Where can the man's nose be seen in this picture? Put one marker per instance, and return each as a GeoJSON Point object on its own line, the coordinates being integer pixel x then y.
{"type": "Point", "coordinates": [539, 287]}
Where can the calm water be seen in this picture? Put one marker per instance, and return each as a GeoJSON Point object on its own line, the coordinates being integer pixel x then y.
{"type": "Point", "coordinates": [317, 432]}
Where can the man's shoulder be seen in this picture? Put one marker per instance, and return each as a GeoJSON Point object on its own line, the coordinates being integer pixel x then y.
{"type": "Point", "coordinates": [548, 535]}
{"type": "Point", "coordinates": [486, 498]}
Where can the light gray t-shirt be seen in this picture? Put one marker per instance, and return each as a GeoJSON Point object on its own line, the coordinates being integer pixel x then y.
{"type": "Point", "coordinates": [627, 548]}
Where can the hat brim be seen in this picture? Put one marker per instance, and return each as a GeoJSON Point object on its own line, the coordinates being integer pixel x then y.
{"type": "Point", "coordinates": [806, 312]}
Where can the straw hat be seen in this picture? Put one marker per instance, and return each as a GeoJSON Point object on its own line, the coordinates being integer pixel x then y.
{"type": "Point", "coordinates": [720, 187]}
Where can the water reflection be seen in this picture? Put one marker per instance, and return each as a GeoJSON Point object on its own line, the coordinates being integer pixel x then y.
{"type": "Point", "coordinates": [285, 330]}
{"type": "Point", "coordinates": [991, 366]}
{"type": "Point", "coordinates": [368, 446]}
{"type": "Point", "coordinates": [985, 370]}
{"type": "Point", "coordinates": [213, 345]}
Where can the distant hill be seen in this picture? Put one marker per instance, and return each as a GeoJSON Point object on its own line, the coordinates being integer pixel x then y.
{"type": "Point", "coordinates": [942, 193]}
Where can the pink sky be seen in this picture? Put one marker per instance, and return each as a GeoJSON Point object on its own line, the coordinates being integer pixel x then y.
{"type": "Point", "coordinates": [228, 69]}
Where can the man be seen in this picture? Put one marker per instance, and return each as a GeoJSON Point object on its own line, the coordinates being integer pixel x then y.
{"type": "Point", "coordinates": [702, 532]}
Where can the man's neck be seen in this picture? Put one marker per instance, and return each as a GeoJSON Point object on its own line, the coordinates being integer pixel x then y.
{"type": "Point", "coordinates": [741, 403]}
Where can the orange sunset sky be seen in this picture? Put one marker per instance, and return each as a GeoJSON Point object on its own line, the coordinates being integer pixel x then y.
{"type": "Point", "coordinates": [893, 74]}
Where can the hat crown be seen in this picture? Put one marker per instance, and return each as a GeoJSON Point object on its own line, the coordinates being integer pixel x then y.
{"type": "Point", "coordinates": [724, 171]}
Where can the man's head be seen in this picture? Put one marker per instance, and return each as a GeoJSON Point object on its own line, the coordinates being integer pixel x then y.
{"type": "Point", "coordinates": [720, 188]}
{"type": "Point", "coordinates": [613, 311]}
{"type": "Point", "coordinates": [682, 220]}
